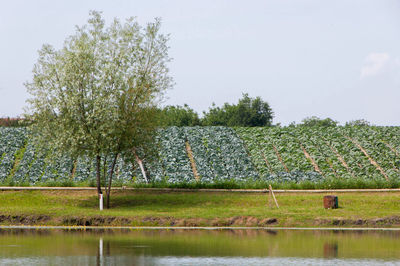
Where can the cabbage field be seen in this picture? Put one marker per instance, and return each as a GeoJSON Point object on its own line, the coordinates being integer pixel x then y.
{"type": "Point", "coordinates": [218, 154]}
{"type": "Point", "coordinates": [313, 153]}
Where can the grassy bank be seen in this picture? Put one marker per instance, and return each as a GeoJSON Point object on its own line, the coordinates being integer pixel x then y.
{"type": "Point", "coordinates": [197, 209]}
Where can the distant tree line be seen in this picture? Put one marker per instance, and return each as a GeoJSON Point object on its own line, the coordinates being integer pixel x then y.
{"type": "Point", "coordinates": [12, 122]}
{"type": "Point", "coordinates": [216, 116]}
{"type": "Point", "coordinates": [315, 121]}
{"type": "Point", "coordinates": [248, 112]}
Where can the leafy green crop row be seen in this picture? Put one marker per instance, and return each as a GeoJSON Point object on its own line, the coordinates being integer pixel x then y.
{"type": "Point", "coordinates": [313, 153]}
{"type": "Point", "coordinates": [220, 154]}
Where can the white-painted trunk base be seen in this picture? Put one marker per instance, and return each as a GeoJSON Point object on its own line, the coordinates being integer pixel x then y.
{"type": "Point", "coordinates": [101, 202]}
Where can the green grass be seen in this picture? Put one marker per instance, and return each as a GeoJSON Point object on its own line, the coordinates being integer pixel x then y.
{"type": "Point", "coordinates": [334, 183]}
{"type": "Point", "coordinates": [295, 209]}
{"type": "Point", "coordinates": [329, 183]}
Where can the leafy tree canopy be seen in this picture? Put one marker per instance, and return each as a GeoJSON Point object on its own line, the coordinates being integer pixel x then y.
{"type": "Point", "coordinates": [316, 121]}
{"type": "Point", "coordinates": [97, 95]}
{"type": "Point", "coordinates": [358, 122]}
{"type": "Point", "coordinates": [248, 112]}
{"type": "Point", "coordinates": [179, 116]}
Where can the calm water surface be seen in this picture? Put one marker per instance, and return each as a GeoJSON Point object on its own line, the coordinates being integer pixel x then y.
{"type": "Point", "coordinates": [197, 247]}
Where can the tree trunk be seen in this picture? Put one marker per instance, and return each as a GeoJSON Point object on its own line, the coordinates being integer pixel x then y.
{"type": "Point", "coordinates": [108, 191]}
{"type": "Point", "coordinates": [98, 161]}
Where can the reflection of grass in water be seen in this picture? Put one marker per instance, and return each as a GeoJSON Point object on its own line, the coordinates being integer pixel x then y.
{"type": "Point", "coordinates": [245, 243]}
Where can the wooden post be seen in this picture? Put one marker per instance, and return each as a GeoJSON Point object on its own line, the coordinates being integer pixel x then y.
{"type": "Point", "coordinates": [269, 198]}
{"type": "Point", "coordinates": [140, 163]}
{"type": "Point", "coordinates": [273, 196]}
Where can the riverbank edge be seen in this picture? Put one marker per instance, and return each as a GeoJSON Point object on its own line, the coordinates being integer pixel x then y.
{"type": "Point", "coordinates": [63, 227]}
{"type": "Point", "coordinates": [172, 222]}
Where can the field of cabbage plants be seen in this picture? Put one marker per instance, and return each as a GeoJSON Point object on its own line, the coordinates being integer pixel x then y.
{"type": "Point", "coordinates": [220, 154]}
{"type": "Point", "coordinates": [312, 153]}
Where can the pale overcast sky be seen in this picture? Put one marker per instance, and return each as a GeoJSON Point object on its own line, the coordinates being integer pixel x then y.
{"type": "Point", "coordinates": [338, 59]}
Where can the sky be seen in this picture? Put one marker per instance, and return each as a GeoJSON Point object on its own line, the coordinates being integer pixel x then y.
{"type": "Point", "coordinates": [337, 59]}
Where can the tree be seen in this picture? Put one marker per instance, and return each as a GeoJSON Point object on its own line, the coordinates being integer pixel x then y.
{"type": "Point", "coordinates": [179, 116]}
{"type": "Point", "coordinates": [358, 122]}
{"type": "Point", "coordinates": [97, 95]}
{"type": "Point", "coordinates": [316, 121]}
{"type": "Point", "coordinates": [13, 122]}
{"type": "Point", "coordinates": [248, 112]}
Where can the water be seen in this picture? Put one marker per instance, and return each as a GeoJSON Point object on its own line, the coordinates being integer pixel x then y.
{"type": "Point", "coordinates": [197, 247]}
